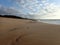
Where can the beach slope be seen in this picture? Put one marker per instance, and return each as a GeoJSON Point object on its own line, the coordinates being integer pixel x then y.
{"type": "Point", "coordinates": [28, 32]}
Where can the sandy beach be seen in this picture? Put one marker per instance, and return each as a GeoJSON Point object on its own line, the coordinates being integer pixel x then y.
{"type": "Point", "coordinates": [28, 32]}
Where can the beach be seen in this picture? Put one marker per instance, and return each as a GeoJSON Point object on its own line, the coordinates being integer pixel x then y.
{"type": "Point", "coordinates": [28, 32]}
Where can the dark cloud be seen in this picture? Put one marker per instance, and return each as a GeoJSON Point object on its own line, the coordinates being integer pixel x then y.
{"type": "Point", "coordinates": [8, 11]}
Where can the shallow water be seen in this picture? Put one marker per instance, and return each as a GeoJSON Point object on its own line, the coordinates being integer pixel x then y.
{"type": "Point", "coordinates": [52, 21]}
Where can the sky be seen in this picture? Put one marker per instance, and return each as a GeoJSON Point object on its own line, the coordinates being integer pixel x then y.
{"type": "Point", "coordinates": [35, 9]}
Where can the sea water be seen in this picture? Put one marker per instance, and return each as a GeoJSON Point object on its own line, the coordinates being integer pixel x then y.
{"type": "Point", "coordinates": [50, 21]}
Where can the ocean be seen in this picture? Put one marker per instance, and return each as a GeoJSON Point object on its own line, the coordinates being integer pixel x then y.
{"type": "Point", "coordinates": [50, 21]}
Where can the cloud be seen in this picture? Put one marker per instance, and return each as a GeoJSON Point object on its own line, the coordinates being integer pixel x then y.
{"type": "Point", "coordinates": [52, 12]}
{"type": "Point", "coordinates": [8, 11]}
{"type": "Point", "coordinates": [37, 9]}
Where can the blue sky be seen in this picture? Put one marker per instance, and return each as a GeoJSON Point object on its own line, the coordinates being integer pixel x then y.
{"type": "Point", "coordinates": [36, 8]}
{"type": "Point", "coordinates": [10, 3]}
{"type": "Point", "coordinates": [6, 3]}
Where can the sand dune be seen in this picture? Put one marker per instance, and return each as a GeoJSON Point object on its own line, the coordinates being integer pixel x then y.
{"type": "Point", "coordinates": [28, 32]}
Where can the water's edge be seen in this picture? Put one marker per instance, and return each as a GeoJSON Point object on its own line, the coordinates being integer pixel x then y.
{"type": "Point", "coordinates": [50, 21]}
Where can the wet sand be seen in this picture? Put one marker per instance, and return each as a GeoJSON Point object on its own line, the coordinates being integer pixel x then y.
{"type": "Point", "coordinates": [28, 32]}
